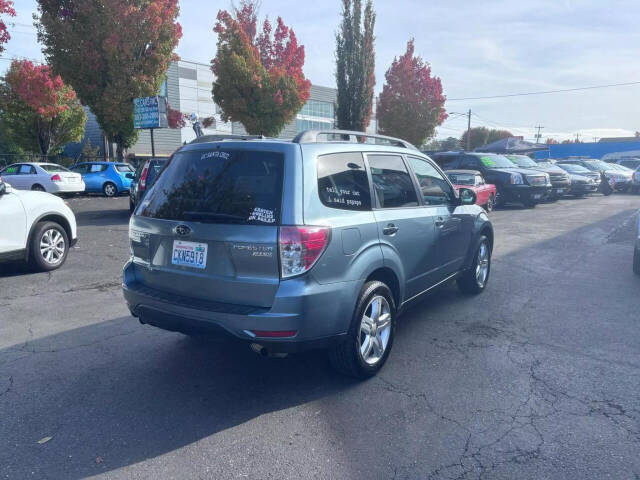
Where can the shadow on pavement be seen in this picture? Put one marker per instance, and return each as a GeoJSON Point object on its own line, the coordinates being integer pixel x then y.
{"type": "Point", "coordinates": [139, 394]}
{"type": "Point", "coordinates": [119, 216]}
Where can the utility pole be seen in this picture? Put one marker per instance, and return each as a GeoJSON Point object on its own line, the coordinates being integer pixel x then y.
{"type": "Point", "coordinates": [577, 138]}
{"type": "Point", "coordinates": [469, 131]}
{"type": "Point", "coordinates": [538, 135]}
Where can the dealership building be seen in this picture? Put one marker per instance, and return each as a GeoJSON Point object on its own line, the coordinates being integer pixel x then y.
{"type": "Point", "coordinates": [188, 89]}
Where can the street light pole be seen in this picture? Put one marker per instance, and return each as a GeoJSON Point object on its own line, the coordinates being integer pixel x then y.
{"type": "Point", "coordinates": [469, 131]}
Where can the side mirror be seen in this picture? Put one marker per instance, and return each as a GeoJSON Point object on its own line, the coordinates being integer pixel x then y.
{"type": "Point", "coordinates": [467, 196]}
{"type": "Point", "coordinates": [129, 175]}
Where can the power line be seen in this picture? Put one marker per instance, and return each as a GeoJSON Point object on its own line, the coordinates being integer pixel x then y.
{"type": "Point", "coordinates": [544, 92]}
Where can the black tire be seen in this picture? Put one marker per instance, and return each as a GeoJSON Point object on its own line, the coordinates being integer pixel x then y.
{"type": "Point", "coordinates": [530, 204]}
{"type": "Point", "coordinates": [636, 261]}
{"type": "Point", "coordinates": [38, 188]}
{"type": "Point", "coordinates": [109, 189]}
{"type": "Point", "coordinates": [468, 281]}
{"type": "Point", "coordinates": [37, 257]}
{"type": "Point", "coordinates": [490, 203]}
{"type": "Point", "coordinates": [347, 357]}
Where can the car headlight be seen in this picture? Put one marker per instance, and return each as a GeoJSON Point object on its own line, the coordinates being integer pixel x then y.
{"type": "Point", "coordinates": [516, 179]}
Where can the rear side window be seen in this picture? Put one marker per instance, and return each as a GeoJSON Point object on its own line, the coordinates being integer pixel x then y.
{"type": "Point", "coordinates": [218, 186]}
{"type": "Point", "coordinates": [391, 181]}
{"type": "Point", "coordinates": [124, 168]}
{"type": "Point", "coordinates": [342, 182]}
{"type": "Point", "coordinates": [27, 170]}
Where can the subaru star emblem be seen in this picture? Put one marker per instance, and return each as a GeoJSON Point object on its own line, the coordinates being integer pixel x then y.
{"type": "Point", "coordinates": [183, 230]}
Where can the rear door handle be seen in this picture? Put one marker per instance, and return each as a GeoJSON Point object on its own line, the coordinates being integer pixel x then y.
{"type": "Point", "coordinates": [390, 229]}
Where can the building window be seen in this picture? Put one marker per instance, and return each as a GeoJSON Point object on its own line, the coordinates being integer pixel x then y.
{"type": "Point", "coordinates": [316, 108]}
{"type": "Point", "coordinates": [163, 89]}
{"type": "Point", "coordinates": [302, 125]}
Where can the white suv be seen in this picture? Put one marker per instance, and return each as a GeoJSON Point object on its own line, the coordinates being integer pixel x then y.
{"type": "Point", "coordinates": [36, 227]}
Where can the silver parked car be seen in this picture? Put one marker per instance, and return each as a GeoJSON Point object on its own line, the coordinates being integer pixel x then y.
{"type": "Point", "coordinates": [42, 177]}
{"type": "Point", "coordinates": [318, 242]}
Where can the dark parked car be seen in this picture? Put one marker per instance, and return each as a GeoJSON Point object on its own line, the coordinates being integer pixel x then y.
{"type": "Point", "coordinates": [143, 179]}
{"type": "Point", "coordinates": [583, 181]}
{"type": "Point", "coordinates": [314, 243]}
{"type": "Point", "coordinates": [514, 184]}
{"type": "Point", "coordinates": [560, 181]}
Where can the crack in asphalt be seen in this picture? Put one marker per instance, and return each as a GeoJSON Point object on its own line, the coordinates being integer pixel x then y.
{"type": "Point", "coordinates": [518, 427]}
{"type": "Point", "coordinates": [9, 387]}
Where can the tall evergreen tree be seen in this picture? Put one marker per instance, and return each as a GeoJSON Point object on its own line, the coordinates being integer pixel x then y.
{"type": "Point", "coordinates": [355, 64]}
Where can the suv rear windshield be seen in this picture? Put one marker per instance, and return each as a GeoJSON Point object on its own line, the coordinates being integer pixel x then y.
{"type": "Point", "coordinates": [219, 186]}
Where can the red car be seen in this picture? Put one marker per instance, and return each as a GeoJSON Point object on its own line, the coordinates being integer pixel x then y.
{"type": "Point", "coordinates": [473, 180]}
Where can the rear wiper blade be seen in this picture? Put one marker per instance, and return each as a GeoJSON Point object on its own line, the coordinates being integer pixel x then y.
{"type": "Point", "coordinates": [210, 215]}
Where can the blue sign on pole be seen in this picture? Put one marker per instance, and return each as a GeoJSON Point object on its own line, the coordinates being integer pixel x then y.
{"type": "Point", "coordinates": [150, 112]}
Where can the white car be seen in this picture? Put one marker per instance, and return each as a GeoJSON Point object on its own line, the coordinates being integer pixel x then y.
{"type": "Point", "coordinates": [36, 227]}
{"type": "Point", "coordinates": [43, 177]}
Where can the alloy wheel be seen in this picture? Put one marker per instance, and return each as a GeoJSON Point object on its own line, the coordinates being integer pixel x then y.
{"type": "Point", "coordinates": [375, 330]}
{"type": "Point", "coordinates": [52, 246]}
{"type": "Point", "coordinates": [109, 190]}
{"type": "Point", "coordinates": [482, 264]}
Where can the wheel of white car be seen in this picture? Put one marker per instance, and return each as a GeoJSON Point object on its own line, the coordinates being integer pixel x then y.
{"type": "Point", "coordinates": [38, 188]}
{"type": "Point", "coordinates": [49, 246]}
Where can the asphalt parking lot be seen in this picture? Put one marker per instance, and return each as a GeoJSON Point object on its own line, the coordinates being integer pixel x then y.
{"type": "Point", "coordinates": [539, 377]}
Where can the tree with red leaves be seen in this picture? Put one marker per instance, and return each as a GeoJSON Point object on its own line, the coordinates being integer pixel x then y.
{"type": "Point", "coordinates": [6, 8]}
{"type": "Point", "coordinates": [38, 112]}
{"type": "Point", "coordinates": [259, 78]}
{"type": "Point", "coordinates": [411, 104]}
{"type": "Point", "coordinates": [110, 51]}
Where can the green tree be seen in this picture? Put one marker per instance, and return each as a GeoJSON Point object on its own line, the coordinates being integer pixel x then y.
{"type": "Point", "coordinates": [447, 144]}
{"type": "Point", "coordinates": [482, 135]}
{"type": "Point", "coordinates": [38, 112]}
{"type": "Point", "coordinates": [259, 78]}
{"type": "Point", "coordinates": [355, 65]}
{"type": "Point", "coordinates": [89, 151]}
{"type": "Point", "coordinates": [411, 104]}
{"type": "Point", "coordinates": [110, 52]}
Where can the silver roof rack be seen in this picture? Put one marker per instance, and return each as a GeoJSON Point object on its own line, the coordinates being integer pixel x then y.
{"type": "Point", "coordinates": [223, 137]}
{"type": "Point", "coordinates": [349, 136]}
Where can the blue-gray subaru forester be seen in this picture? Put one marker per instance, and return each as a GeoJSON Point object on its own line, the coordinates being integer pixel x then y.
{"type": "Point", "coordinates": [313, 243]}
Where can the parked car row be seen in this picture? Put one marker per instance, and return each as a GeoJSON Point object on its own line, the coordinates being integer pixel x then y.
{"type": "Point", "coordinates": [108, 178]}
{"type": "Point", "coordinates": [519, 179]}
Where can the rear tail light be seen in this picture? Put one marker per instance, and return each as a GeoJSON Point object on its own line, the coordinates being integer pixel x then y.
{"type": "Point", "coordinates": [143, 177]}
{"type": "Point", "coordinates": [56, 178]}
{"type": "Point", "coordinates": [300, 248]}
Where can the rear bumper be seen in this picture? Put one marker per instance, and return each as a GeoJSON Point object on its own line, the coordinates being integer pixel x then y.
{"type": "Point", "coordinates": [67, 187]}
{"type": "Point", "coordinates": [319, 314]}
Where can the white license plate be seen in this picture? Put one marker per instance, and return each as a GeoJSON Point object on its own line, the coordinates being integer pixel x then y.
{"type": "Point", "coordinates": [73, 180]}
{"type": "Point", "coordinates": [560, 190]}
{"type": "Point", "coordinates": [189, 254]}
{"type": "Point", "coordinates": [537, 196]}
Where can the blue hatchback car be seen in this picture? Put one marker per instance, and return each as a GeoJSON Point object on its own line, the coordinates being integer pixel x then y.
{"type": "Point", "coordinates": [109, 178]}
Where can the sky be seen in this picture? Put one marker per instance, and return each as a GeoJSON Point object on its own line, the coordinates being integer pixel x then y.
{"type": "Point", "coordinates": [477, 48]}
